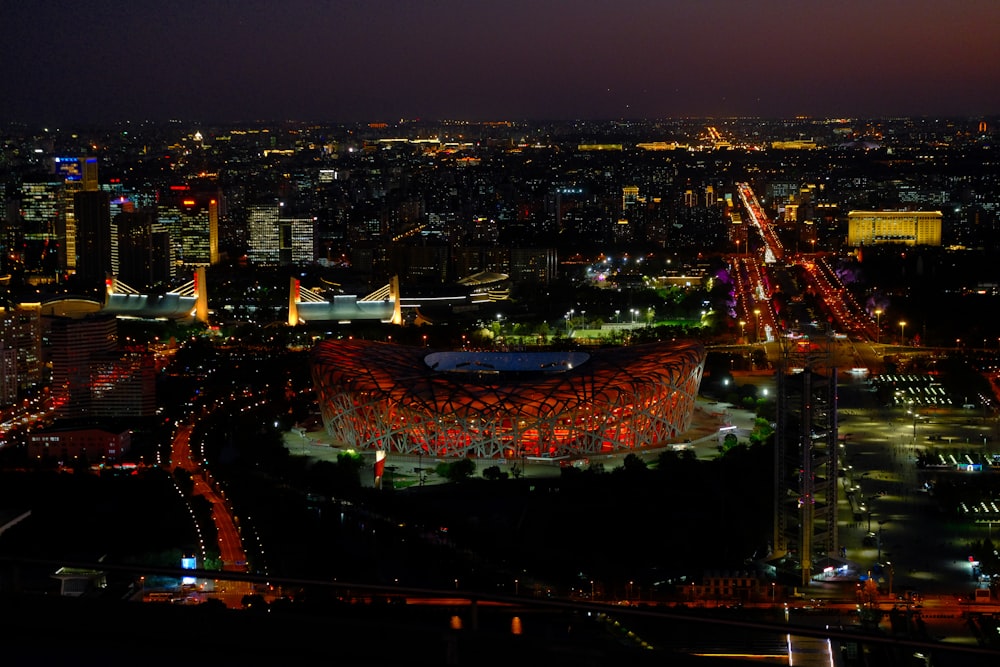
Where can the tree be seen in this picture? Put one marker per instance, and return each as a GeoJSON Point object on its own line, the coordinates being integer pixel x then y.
{"type": "Point", "coordinates": [729, 442]}
{"type": "Point", "coordinates": [457, 471]}
{"type": "Point", "coordinates": [633, 464]}
{"type": "Point", "coordinates": [761, 431]}
{"type": "Point", "coordinates": [493, 473]}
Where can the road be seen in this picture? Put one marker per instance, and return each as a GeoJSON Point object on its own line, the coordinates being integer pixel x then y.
{"type": "Point", "coordinates": [230, 544]}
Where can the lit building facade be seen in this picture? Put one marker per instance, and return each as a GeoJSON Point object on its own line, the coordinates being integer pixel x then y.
{"type": "Point", "coordinates": [43, 209]}
{"type": "Point", "coordinates": [906, 227]}
{"type": "Point", "coordinates": [264, 246]}
{"type": "Point", "coordinates": [534, 265]}
{"type": "Point", "coordinates": [298, 241]}
{"type": "Point", "coordinates": [20, 337]}
{"type": "Point", "coordinates": [124, 387]}
{"type": "Point", "coordinates": [378, 396]}
{"type": "Point", "coordinates": [192, 221]}
{"type": "Point", "coordinates": [68, 444]}
{"type": "Point", "coordinates": [77, 347]}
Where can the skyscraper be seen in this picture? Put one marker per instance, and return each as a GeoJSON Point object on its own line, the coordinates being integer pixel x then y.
{"type": "Point", "coordinates": [78, 346]}
{"type": "Point", "coordinates": [143, 249]}
{"type": "Point", "coordinates": [93, 236]}
{"type": "Point", "coordinates": [192, 221]}
{"type": "Point", "coordinates": [43, 210]}
{"type": "Point", "coordinates": [20, 335]}
{"type": "Point", "coordinates": [265, 233]}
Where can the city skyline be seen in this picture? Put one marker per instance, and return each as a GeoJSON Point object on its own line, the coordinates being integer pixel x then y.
{"type": "Point", "coordinates": [383, 61]}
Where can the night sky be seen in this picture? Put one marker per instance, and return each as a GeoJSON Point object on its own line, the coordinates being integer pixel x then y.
{"type": "Point", "coordinates": [366, 60]}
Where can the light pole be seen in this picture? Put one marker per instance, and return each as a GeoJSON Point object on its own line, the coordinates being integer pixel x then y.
{"type": "Point", "coordinates": [756, 325]}
{"type": "Point", "coordinates": [878, 314]}
{"type": "Point", "coordinates": [742, 328]}
{"type": "Point", "coordinates": [902, 338]}
{"type": "Point", "coordinates": [617, 319]}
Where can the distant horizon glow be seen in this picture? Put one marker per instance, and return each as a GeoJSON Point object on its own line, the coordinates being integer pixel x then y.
{"type": "Point", "coordinates": [546, 60]}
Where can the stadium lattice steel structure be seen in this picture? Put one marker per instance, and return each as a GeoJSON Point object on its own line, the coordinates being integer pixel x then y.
{"type": "Point", "coordinates": [394, 398]}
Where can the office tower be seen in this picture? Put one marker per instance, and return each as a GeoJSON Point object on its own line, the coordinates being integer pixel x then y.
{"type": "Point", "coordinates": [533, 265]}
{"type": "Point", "coordinates": [709, 196]}
{"type": "Point", "coordinates": [43, 209]}
{"type": "Point", "coordinates": [298, 241]}
{"type": "Point", "coordinates": [630, 197]}
{"type": "Point", "coordinates": [79, 175]}
{"type": "Point", "coordinates": [93, 236]}
{"type": "Point", "coordinates": [21, 333]}
{"type": "Point", "coordinates": [77, 348]}
{"type": "Point", "coordinates": [141, 257]}
{"type": "Point", "coordinates": [264, 233]}
{"type": "Point", "coordinates": [192, 221]}
{"type": "Point", "coordinates": [8, 375]}
{"type": "Point", "coordinates": [690, 198]}
{"type": "Point", "coordinates": [906, 227]}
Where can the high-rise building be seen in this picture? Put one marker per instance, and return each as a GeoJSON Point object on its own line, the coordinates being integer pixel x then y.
{"type": "Point", "coordinates": [264, 247]}
{"type": "Point", "coordinates": [906, 227]}
{"type": "Point", "coordinates": [77, 348]}
{"type": "Point", "coordinates": [192, 221]}
{"type": "Point", "coordinates": [80, 175]}
{"type": "Point", "coordinates": [298, 241]}
{"type": "Point", "coordinates": [93, 236]}
{"type": "Point", "coordinates": [533, 265]}
{"type": "Point", "coordinates": [630, 197]}
{"type": "Point", "coordinates": [8, 375]}
{"type": "Point", "coordinates": [43, 209]}
{"type": "Point", "coordinates": [141, 254]}
{"type": "Point", "coordinates": [21, 335]}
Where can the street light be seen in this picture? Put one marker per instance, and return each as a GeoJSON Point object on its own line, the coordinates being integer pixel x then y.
{"type": "Point", "coordinates": [902, 338]}
{"type": "Point", "coordinates": [756, 326]}
{"type": "Point", "coordinates": [878, 313]}
{"type": "Point", "coordinates": [617, 319]}
{"type": "Point", "coordinates": [742, 326]}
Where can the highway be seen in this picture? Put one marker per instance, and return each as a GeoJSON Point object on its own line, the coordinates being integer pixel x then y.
{"type": "Point", "coordinates": [230, 544]}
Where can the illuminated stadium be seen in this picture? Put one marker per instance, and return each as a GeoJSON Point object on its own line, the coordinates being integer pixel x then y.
{"type": "Point", "coordinates": [393, 398]}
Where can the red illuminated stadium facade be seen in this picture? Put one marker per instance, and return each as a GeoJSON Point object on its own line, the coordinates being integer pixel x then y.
{"type": "Point", "coordinates": [409, 400]}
